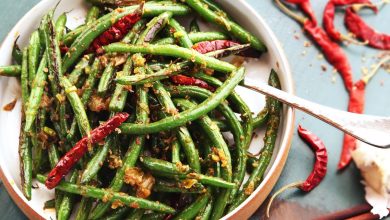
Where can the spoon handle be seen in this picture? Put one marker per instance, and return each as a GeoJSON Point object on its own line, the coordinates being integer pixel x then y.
{"type": "Point", "coordinates": [372, 130]}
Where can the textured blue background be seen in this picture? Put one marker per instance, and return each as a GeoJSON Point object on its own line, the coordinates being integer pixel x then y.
{"type": "Point", "coordinates": [339, 190]}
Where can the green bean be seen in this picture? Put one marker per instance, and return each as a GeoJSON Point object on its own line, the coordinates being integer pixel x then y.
{"type": "Point", "coordinates": [167, 70]}
{"type": "Point", "coordinates": [205, 214]}
{"type": "Point", "coordinates": [34, 49]}
{"type": "Point", "coordinates": [36, 94]}
{"type": "Point", "coordinates": [226, 24]}
{"type": "Point", "coordinates": [53, 159]}
{"type": "Point", "coordinates": [91, 81]}
{"type": "Point", "coordinates": [175, 151]}
{"type": "Point", "coordinates": [222, 125]}
{"type": "Point", "coordinates": [154, 27]}
{"type": "Point", "coordinates": [261, 118]}
{"type": "Point", "coordinates": [180, 33]}
{"type": "Point", "coordinates": [17, 54]}
{"type": "Point", "coordinates": [215, 7]}
{"type": "Point", "coordinates": [13, 70]}
{"type": "Point", "coordinates": [142, 110]}
{"type": "Point", "coordinates": [92, 15]}
{"type": "Point", "coordinates": [177, 187]}
{"type": "Point", "coordinates": [60, 26]}
{"type": "Point", "coordinates": [24, 77]}
{"type": "Point", "coordinates": [134, 32]}
{"type": "Point", "coordinates": [194, 27]}
{"type": "Point", "coordinates": [77, 106]}
{"type": "Point", "coordinates": [87, 93]}
{"type": "Point", "coordinates": [246, 115]}
{"type": "Point", "coordinates": [117, 214]}
{"type": "Point", "coordinates": [53, 54]}
{"type": "Point", "coordinates": [251, 163]}
{"type": "Point", "coordinates": [183, 134]}
{"type": "Point", "coordinates": [136, 214]}
{"type": "Point", "coordinates": [154, 216]}
{"type": "Point", "coordinates": [54, 63]}
{"type": "Point", "coordinates": [256, 176]}
{"type": "Point", "coordinates": [38, 145]}
{"type": "Point", "coordinates": [192, 210]}
{"type": "Point", "coordinates": [80, 68]}
{"type": "Point", "coordinates": [96, 162]}
{"type": "Point", "coordinates": [232, 120]}
{"type": "Point", "coordinates": [49, 204]}
{"type": "Point", "coordinates": [218, 141]}
{"type": "Point", "coordinates": [106, 78]}
{"type": "Point", "coordinates": [118, 99]}
{"type": "Point", "coordinates": [113, 3]}
{"type": "Point", "coordinates": [131, 157]}
{"type": "Point", "coordinates": [165, 168]}
{"type": "Point", "coordinates": [84, 209]}
{"type": "Point", "coordinates": [94, 29]}
{"type": "Point", "coordinates": [70, 37]}
{"type": "Point", "coordinates": [109, 196]}
{"type": "Point", "coordinates": [195, 37]}
{"type": "Point", "coordinates": [53, 155]}
{"type": "Point", "coordinates": [67, 201]}
{"type": "Point", "coordinates": [139, 79]}
{"type": "Point", "coordinates": [189, 115]}
{"type": "Point", "coordinates": [173, 51]}
{"type": "Point", "coordinates": [229, 115]}
{"type": "Point", "coordinates": [25, 163]}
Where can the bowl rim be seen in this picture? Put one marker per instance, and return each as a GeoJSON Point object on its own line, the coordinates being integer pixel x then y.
{"type": "Point", "coordinates": [248, 207]}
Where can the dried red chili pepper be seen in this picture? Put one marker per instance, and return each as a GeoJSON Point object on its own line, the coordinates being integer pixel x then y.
{"type": "Point", "coordinates": [319, 169]}
{"type": "Point", "coordinates": [332, 51]}
{"type": "Point", "coordinates": [210, 46]}
{"type": "Point", "coordinates": [329, 15]}
{"type": "Point", "coordinates": [363, 31]}
{"type": "Point", "coordinates": [71, 157]}
{"type": "Point", "coordinates": [190, 81]}
{"type": "Point", "coordinates": [356, 105]}
{"type": "Point", "coordinates": [64, 49]}
{"type": "Point", "coordinates": [306, 8]}
{"type": "Point", "coordinates": [117, 31]}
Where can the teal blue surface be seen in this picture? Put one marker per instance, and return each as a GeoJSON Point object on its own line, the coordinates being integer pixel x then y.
{"type": "Point", "coordinates": [339, 190]}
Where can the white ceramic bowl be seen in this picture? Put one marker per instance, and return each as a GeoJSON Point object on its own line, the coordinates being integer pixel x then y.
{"type": "Point", "coordinates": [257, 71]}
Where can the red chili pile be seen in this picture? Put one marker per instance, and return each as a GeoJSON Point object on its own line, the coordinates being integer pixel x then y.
{"type": "Point", "coordinates": [328, 39]}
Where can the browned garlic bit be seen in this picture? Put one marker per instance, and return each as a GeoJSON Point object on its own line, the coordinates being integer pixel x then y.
{"type": "Point", "coordinates": [142, 182]}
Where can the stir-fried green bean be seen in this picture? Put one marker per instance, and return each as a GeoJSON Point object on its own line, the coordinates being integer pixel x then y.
{"type": "Point", "coordinates": [274, 107]}
{"type": "Point", "coordinates": [226, 24]}
{"type": "Point", "coordinates": [13, 70]}
{"type": "Point", "coordinates": [109, 196]}
{"type": "Point", "coordinates": [189, 115]}
{"type": "Point", "coordinates": [195, 37]}
{"type": "Point", "coordinates": [165, 168]}
{"type": "Point", "coordinates": [192, 210]}
{"type": "Point", "coordinates": [173, 51]}
{"type": "Point", "coordinates": [180, 140]}
{"type": "Point", "coordinates": [34, 49]}
{"type": "Point", "coordinates": [183, 134]}
{"type": "Point", "coordinates": [36, 94]}
{"type": "Point", "coordinates": [97, 27]}
{"type": "Point", "coordinates": [92, 15]}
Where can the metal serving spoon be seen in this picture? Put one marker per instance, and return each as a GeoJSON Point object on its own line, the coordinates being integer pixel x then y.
{"type": "Point", "coordinates": [372, 130]}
